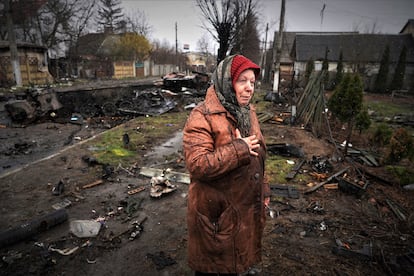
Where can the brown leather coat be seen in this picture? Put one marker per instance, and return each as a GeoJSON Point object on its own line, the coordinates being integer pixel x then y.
{"type": "Point", "coordinates": [226, 212]}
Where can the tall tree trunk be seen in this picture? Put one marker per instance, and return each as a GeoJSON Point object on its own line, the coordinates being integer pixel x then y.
{"type": "Point", "coordinates": [278, 50]}
{"type": "Point", "coordinates": [14, 56]}
{"type": "Point", "coordinates": [348, 137]}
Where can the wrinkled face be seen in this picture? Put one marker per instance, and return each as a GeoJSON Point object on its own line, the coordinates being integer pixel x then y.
{"type": "Point", "coordinates": [244, 87]}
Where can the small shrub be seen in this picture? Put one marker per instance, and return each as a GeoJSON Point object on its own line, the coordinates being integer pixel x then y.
{"type": "Point", "coordinates": [382, 135]}
{"type": "Point", "coordinates": [362, 120]}
{"type": "Point", "coordinates": [401, 146]}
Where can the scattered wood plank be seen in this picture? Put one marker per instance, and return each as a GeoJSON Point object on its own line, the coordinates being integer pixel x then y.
{"type": "Point", "coordinates": [314, 188]}
{"type": "Point", "coordinates": [331, 186]}
{"type": "Point", "coordinates": [398, 211]}
{"type": "Point", "coordinates": [137, 190]}
{"type": "Point", "coordinates": [93, 184]}
{"type": "Point", "coordinates": [295, 169]}
{"type": "Point", "coordinates": [263, 117]}
{"type": "Point", "coordinates": [284, 190]}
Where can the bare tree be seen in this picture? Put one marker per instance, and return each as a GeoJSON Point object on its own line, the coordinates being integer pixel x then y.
{"type": "Point", "coordinates": [20, 11]}
{"type": "Point", "coordinates": [247, 40]}
{"type": "Point", "coordinates": [110, 15]}
{"type": "Point", "coordinates": [80, 24]}
{"type": "Point", "coordinates": [164, 53]}
{"type": "Point", "coordinates": [137, 22]}
{"type": "Point", "coordinates": [54, 24]}
{"type": "Point", "coordinates": [225, 19]}
{"type": "Point", "coordinates": [203, 45]}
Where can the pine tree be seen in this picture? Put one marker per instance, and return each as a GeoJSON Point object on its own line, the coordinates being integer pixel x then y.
{"type": "Point", "coordinates": [339, 70]}
{"type": "Point", "coordinates": [247, 40]}
{"type": "Point", "coordinates": [362, 120]}
{"type": "Point", "coordinates": [381, 80]}
{"type": "Point", "coordinates": [346, 102]}
{"type": "Point", "coordinates": [110, 14]}
{"type": "Point", "coordinates": [398, 79]}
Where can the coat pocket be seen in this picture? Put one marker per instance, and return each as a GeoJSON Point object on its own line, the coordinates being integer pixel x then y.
{"type": "Point", "coordinates": [217, 236]}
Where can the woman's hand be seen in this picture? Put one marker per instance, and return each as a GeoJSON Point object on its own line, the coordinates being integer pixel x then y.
{"type": "Point", "coordinates": [267, 201]}
{"type": "Point", "coordinates": [251, 141]}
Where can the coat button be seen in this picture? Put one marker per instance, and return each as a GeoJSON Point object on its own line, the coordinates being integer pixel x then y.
{"type": "Point", "coordinates": [256, 175]}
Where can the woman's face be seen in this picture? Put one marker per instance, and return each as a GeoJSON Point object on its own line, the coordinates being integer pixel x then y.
{"type": "Point", "coordinates": [244, 87]}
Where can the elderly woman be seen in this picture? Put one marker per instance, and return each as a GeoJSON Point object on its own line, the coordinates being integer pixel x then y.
{"type": "Point", "coordinates": [225, 155]}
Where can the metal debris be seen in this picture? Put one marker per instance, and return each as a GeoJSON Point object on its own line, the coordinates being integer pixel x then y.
{"type": "Point", "coordinates": [178, 81]}
{"type": "Point", "coordinates": [352, 187]}
{"type": "Point", "coordinates": [85, 228]}
{"type": "Point", "coordinates": [321, 164]}
{"type": "Point", "coordinates": [137, 228]}
{"type": "Point", "coordinates": [35, 226]}
{"type": "Point", "coordinates": [64, 252]}
{"type": "Point", "coordinates": [34, 104]}
{"type": "Point", "coordinates": [365, 253]}
{"type": "Point", "coordinates": [58, 188]}
{"type": "Point", "coordinates": [147, 102]}
{"type": "Point", "coordinates": [63, 204]}
{"type": "Point", "coordinates": [161, 185]}
{"type": "Point", "coordinates": [167, 173]}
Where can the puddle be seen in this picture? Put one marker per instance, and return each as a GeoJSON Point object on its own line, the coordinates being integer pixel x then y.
{"type": "Point", "coordinates": [159, 153]}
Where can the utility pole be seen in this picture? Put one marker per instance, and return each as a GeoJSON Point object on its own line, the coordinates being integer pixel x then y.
{"type": "Point", "coordinates": [278, 49]}
{"type": "Point", "coordinates": [263, 65]}
{"type": "Point", "coordinates": [14, 56]}
{"type": "Point", "coordinates": [176, 47]}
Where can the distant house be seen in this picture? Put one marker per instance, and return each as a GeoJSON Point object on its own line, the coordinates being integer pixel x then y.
{"type": "Point", "coordinates": [408, 27]}
{"type": "Point", "coordinates": [33, 64]}
{"type": "Point", "coordinates": [92, 56]}
{"type": "Point", "coordinates": [197, 61]}
{"type": "Point", "coordinates": [361, 52]}
{"type": "Point", "coordinates": [288, 60]}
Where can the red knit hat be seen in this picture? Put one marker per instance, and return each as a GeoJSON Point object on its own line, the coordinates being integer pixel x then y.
{"type": "Point", "coordinates": [241, 63]}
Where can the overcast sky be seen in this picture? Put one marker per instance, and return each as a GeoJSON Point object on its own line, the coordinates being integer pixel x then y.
{"type": "Point", "coordinates": [388, 16]}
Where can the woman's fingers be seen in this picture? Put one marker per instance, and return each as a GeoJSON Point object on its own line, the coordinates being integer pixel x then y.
{"type": "Point", "coordinates": [238, 135]}
{"type": "Point", "coordinates": [251, 141]}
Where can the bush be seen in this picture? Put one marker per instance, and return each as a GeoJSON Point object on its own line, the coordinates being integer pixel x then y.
{"type": "Point", "coordinates": [362, 120]}
{"type": "Point", "coordinates": [401, 146]}
{"type": "Point", "coordinates": [382, 135]}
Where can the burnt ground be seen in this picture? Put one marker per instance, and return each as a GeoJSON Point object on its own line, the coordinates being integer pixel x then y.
{"type": "Point", "coordinates": [301, 239]}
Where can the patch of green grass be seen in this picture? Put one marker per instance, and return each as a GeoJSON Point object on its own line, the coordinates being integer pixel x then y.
{"type": "Point", "coordinates": [388, 109]}
{"type": "Point", "coordinates": [277, 168]}
{"type": "Point", "coordinates": [143, 132]}
{"type": "Point", "coordinates": [259, 102]}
